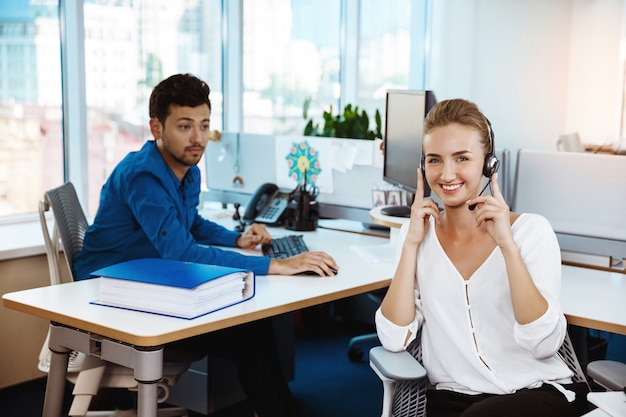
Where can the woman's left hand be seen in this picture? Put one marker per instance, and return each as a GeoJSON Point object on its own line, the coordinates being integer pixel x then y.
{"type": "Point", "coordinates": [494, 213]}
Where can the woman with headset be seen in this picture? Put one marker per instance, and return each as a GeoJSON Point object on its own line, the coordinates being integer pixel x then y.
{"type": "Point", "coordinates": [482, 282]}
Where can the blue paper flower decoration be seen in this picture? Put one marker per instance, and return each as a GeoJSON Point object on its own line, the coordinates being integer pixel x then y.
{"type": "Point", "coordinates": [303, 160]}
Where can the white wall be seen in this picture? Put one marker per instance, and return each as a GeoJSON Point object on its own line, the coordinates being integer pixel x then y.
{"type": "Point", "coordinates": [536, 68]}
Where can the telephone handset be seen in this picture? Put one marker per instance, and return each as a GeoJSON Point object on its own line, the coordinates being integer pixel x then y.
{"type": "Point", "coordinates": [267, 205]}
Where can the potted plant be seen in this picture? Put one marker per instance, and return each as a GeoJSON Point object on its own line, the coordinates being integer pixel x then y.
{"type": "Point", "coordinates": [352, 124]}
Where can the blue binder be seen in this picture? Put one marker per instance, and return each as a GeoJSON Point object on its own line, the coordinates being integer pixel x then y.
{"type": "Point", "coordinates": [173, 288]}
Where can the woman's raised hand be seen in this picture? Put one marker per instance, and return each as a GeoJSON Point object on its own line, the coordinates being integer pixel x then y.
{"type": "Point", "coordinates": [421, 210]}
{"type": "Point", "coordinates": [493, 211]}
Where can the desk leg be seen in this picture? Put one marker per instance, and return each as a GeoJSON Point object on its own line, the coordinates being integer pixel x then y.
{"type": "Point", "coordinates": [55, 385]}
{"type": "Point", "coordinates": [148, 372]}
{"type": "Point", "coordinates": [147, 399]}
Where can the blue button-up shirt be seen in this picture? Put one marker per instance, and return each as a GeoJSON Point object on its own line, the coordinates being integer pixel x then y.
{"type": "Point", "coordinates": [146, 212]}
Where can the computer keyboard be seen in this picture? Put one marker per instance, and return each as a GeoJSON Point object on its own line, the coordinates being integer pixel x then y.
{"type": "Point", "coordinates": [285, 246]}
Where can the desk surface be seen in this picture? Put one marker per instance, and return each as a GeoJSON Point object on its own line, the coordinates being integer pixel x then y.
{"type": "Point", "coordinates": [594, 299]}
{"type": "Point", "coordinates": [590, 298]}
{"type": "Point", "coordinates": [390, 221]}
{"type": "Point", "coordinates": [274, 295]}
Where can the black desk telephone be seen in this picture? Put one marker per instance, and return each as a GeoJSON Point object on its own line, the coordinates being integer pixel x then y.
{"type": "Point", "coordinates": [267, 205]}
{"type": "Point", "coordinates": [297, 209]}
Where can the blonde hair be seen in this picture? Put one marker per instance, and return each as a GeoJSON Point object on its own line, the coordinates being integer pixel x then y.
{"type": "Point", "coordinates": [463, 112]}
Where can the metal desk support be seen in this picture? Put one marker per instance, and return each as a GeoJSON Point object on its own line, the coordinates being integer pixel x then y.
{"type": "Point", "coordinates": [147, 363]}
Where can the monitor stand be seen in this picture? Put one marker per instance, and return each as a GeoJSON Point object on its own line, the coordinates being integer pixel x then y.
{"type": "Point", "coordinates": [396, 211]}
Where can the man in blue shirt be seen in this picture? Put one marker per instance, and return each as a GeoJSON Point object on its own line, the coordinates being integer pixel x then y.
{"type": "Point", "coordinates": [148, 208]}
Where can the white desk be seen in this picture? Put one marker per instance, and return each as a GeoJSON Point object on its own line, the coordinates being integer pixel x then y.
{"type": "Point", "coordinates": [593, 298]}
{"type": "Point", "coordinates": [136, 340]}
{"type": "Point", "coordinates": [393, 222]}
{"type": "Point", "coordinates": [590, 298]}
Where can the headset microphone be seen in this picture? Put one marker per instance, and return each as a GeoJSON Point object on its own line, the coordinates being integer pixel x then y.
{"type": "Point", "coordinates": [473, 206]}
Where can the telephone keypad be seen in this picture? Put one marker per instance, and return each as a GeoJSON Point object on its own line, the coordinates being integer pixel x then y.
{"type": "Point", "coordinates": [272, 213]}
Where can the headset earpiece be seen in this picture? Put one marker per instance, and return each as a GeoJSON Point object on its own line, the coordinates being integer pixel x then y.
{"type": "Point", "coordinates": [423, 166]}
{"type": "Point", "coordinates": [491, 164]}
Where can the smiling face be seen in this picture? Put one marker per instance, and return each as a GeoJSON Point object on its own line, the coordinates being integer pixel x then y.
{"type": "Point", "coordinates": [182, 138]}
{"type": "Point", "coordinates": [454, 156]}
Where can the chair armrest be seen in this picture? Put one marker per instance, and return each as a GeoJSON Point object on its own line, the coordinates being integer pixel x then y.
{"type": "Point", "coordinates": [399, 366]}
{"type": "Point", "coordinates": [609, 374]}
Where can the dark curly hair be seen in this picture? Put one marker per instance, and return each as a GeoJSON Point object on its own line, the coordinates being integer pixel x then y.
{"type": "Point", "coordinates": [181, 90]}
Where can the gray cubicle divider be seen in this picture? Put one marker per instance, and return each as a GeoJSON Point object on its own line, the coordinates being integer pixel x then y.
{"type": "Point", "coordinates": [583, 196]}
{"type": "Point", "coordinates": [251, 157]}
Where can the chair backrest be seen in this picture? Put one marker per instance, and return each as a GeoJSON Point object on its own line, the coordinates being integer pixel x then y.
{"type": "Point", "coordinates": [567, 353]}
{"type": "Point", "coordinates": [70, 225]}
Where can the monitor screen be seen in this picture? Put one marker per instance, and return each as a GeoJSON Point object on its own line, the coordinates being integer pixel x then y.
{"type": "Point", "coordinates": [404, 128]}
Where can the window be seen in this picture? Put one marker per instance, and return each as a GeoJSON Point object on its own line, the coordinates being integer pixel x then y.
{"type": "Point", "coordinates": [129, 47]}
{"type": "Point", "coordinates": [387, 40]}
{"type": "Point", "coordinates": [31, 142]}
{"type": "Point", "coordinates": [290, 54]}
{"type": "Point", "coordinates": [306, 58]}
{"type": "Point", "coordinates": [312, 55]}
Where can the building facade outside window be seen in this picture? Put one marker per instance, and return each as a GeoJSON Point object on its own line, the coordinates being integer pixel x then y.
{"type": "Point", "coordinates": [300, 59]}
{"type": "Point", "coordinates": [31, 140]}
{"type": "Point", "coordinates": [129, 47]}
{"type": "Point", "coordinates": [290, 54]}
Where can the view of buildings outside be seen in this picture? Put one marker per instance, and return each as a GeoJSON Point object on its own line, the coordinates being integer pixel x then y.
{"type": "Point", "coordinates": [129, 47]}
{"type": "Point", "coordinates": [31, 152]}
{"type": "Point", "coordinates": [291, 53]}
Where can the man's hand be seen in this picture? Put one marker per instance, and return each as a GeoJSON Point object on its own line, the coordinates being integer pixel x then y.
{"type": "Point", "coordinates": [319, 263]}
{"type": "Point", "coordinates": [256, 235]}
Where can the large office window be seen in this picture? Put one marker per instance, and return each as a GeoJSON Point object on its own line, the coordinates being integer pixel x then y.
{"type": "Point", "coordinates": [297, 51]}
{"type": "Point", "coordinates": [290, 54]}
{"type": "Point", "coordinates": [385, 59]}
{"type": "Point", "coordinates": [31, 145]}
{"type": "Point", "coordinates": [129, 47]}
{"type": "Point", "coordinates": [293, 51]}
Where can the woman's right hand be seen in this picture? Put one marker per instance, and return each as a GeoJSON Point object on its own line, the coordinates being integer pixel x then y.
{"type": "Point", "coordinates": [421, 210]}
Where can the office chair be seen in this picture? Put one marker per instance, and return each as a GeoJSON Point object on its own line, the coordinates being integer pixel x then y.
{"type": "Point", "coordinates": [405, 381]}
{"type": "Point", "coordinates": [88, 373]}
{"type": "Point", "coordinates": [355, 352]}
{"type": "Point", "coordinates": [610, 375]}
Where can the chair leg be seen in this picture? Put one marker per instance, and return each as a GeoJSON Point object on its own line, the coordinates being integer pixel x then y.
{"type": "Point", "coordinates": [87, 385]}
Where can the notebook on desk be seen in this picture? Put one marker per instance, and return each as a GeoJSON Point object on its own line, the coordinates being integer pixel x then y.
{"type": "Point", "coordinates": [612, 402]}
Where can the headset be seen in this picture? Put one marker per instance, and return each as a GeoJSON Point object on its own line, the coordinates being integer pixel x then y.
{"type": "Point", "coordinates": [491, 163]}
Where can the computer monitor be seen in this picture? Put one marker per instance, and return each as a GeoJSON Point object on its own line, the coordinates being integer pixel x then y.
{"type": "Point", "coordinates": [405, 112]}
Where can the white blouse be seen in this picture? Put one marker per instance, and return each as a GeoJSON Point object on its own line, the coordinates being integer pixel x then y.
{"type": "Point", "coordinates": [471, 342]}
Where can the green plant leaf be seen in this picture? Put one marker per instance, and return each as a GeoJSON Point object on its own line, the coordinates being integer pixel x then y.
{"type": "Point", "coordinates": [351, 124]}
